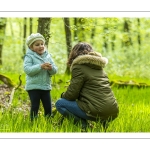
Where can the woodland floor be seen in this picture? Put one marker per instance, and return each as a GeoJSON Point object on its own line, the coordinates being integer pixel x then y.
{"type": "Point", "coordinates": [5, 93]}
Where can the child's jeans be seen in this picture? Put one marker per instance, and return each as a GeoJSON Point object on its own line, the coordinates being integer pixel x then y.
{"type": "Point", "coordinates": [35, 97]}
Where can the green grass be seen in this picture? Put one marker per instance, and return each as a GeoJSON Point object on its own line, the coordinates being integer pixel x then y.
{"type": "Point", "coordinates": [133, 116]}
{"type": "Point", "coordinates": [134, 110]}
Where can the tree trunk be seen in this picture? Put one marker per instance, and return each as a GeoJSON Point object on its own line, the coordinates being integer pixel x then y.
{"type": "Point", "coordinates": [68, 39]}
{"type": "Point", "coordinates": [113, 42]}
{"type": "Point", "coordinates": [31, 19]}
{"type": "Point", "coordinates": [126, 39]}
{"type": "Point", "coordinates": [93, 32]}
{"type": "Point", "coordinates": [139, 36]}
{"type": "Point", "coordinates": [44, 28]}
{"type": "Point", "coordinates": [75, 30]}
{"type": "Point", "coordinates": [2, 35]}
{"type": "Point", "coordinates": [105, 38]}
{"type": "Point", "coordinates": [24, 35]}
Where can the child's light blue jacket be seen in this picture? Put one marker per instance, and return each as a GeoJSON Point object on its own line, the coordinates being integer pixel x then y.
{"type": "Point", "coordinates": [36, 77]}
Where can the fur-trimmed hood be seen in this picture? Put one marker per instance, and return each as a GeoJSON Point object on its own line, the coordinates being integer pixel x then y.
{"type": "Point", "coordinates": [91, 59]}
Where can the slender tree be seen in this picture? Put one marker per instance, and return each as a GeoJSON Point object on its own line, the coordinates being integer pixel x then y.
{"type": "Point", "coordinates": [2, 35]}
{"type": "Point", "coordinates": [75, 29]}
{"type": "Point", "coordinates": [113, 43]}
{"type": "Point", "coordinates": [44, 28]}
{"type": "Point", "coordinates": [24, 34]}
{"type": "Point", "coordinates": [113, 38]}
{"type": "Point", "coordinates": [93, 30]}
{"type": "Point", "coordinates": [68, 39]}
{"type": "Point", "coordinates": [127, 41]}
{"type": "Point", "coordinates": [31, 20]}
{"type": "Point", "coordinates": [139, 36]}
{"type": "Point", "coordinates": [105, 30]}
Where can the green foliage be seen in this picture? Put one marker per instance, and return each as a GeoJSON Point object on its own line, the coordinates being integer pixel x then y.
{"type": "Point", "coordinates": [126, 63]}
{"type": "Point", "coordinates": [123, 61]}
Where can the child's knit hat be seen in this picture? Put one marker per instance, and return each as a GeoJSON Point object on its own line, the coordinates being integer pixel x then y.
{"type": "Point", "coordinates": [34, 37]}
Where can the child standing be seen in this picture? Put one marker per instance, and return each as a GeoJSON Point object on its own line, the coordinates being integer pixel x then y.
{"type": "Point", "coordinates": [39, 68]}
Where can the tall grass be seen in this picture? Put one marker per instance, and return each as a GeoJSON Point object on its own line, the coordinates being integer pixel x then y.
{"type": "Point", "coordinates": [133, 103]}
{"type": "Point", "coordinates": [133, 116]}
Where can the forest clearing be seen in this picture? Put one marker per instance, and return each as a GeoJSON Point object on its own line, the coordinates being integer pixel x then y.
{"type": "Point", "coordinates": [124, 41]}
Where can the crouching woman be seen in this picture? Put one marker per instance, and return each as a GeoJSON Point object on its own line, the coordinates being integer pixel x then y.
{"type": "Point", "coordinates": [89, 95]}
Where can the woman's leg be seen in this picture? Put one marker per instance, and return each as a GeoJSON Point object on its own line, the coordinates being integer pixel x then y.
{"type": "Point", "coordinates": [63, 105]}
{"type": "Point", "coordinates": [70, 109]}
{"type": "Point", "coordinates": [35, 103]}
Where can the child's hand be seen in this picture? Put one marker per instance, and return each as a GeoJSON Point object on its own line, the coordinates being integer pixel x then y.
{"type": "Point", "coordinates": [46, 66]}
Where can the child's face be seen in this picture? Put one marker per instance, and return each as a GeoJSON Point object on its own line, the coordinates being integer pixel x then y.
{"type": "Point", "coordinates": [38, 47]}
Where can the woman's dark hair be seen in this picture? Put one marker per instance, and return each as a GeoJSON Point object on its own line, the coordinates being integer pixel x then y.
{"type": "Point", "coordinates": [81, 48]}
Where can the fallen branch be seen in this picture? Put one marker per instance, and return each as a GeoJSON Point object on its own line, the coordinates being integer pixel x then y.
{"type": "Point", "coordinates": [11, 96]}
{"type": "Point", "coordinates": [130, 83]}
{"type": "Point", "coordinates": [14, 89]}
{"type": "Point", "coordinates": [7, 80]}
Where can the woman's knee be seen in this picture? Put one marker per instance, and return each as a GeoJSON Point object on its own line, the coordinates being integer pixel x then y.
{"type": "Point", "coordinates": [60, 106]}
{"type": "Point", "coordinates": [60, 103]}
{"type": "Point", "coordinates": [57, 104]}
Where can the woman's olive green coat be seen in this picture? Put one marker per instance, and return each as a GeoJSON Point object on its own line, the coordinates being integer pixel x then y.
{"type": "Point", "coordinates": [90, 87]}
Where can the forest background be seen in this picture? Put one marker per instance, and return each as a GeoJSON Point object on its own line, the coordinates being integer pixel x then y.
{"type": "Point", "coordinates": [124, 41]}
